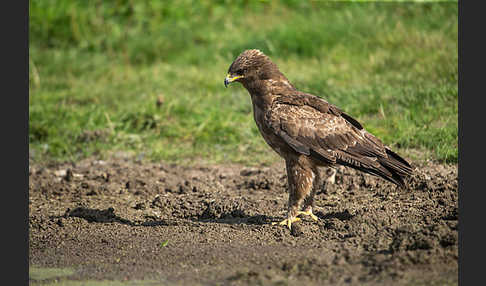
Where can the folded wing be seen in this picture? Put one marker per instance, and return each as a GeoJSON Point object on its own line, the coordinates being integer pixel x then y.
{"type": "Point", "coordinates": [312, 126]}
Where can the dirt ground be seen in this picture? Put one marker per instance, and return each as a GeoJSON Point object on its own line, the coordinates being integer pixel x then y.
{"type": "Point", "coordinates": [125, 220]}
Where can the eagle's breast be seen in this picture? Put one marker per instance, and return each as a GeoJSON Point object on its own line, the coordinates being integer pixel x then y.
{"type": "Point", "coordinates": [272, 140]}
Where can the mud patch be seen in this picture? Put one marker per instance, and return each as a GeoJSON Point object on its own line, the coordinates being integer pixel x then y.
{"type": "Point", "coordinates": [127, 220]}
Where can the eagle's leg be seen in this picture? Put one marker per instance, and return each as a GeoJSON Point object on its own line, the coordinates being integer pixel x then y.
{"type": "Point", "coordinates": [300, 178]}
{"type": "Point", "coordinates": [309, 200]}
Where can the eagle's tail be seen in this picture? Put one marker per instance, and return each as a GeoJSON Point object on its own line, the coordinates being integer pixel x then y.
{"type": "Point", "coordinates": [392, 168]}
{"type": "Point", "coordinates": [398, 169]}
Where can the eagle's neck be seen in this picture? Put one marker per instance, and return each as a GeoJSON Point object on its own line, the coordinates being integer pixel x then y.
{"type": "Point", "coordinates": [263, 92]}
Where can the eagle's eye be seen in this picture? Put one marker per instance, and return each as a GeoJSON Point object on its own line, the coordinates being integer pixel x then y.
{"type": "Point", "coordinates": [240, 71]}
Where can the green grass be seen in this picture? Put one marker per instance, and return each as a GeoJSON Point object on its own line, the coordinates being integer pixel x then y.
{"type": "Point", "coordinates": [60, 276]}
{"type": "Point", "coordinates": [38, 273]}
{"type": "Point", "coordinates": [96, 72]}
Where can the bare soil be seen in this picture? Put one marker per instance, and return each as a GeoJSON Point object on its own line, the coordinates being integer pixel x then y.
{"type": "Point", "coordinates": [125, 220]}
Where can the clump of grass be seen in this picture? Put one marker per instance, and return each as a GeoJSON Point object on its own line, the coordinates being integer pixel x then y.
{"type": "Point", "coordinates": [99, 70]}
{"type": "Point", "coordinates": [164, 243]}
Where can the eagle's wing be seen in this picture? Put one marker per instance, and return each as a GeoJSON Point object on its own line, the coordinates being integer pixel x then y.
{"type": "Point", "coordinates": [312, 126]}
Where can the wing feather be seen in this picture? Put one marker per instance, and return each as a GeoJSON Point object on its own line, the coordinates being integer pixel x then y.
{"type": "Point", "coordinates": [312, 126]}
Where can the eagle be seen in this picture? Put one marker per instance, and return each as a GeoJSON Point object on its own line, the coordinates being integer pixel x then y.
{"type": "Point", "coordinates": [308, 133]}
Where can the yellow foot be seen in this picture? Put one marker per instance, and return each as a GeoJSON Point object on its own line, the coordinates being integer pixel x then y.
{"type": "Point", "coordinates": [309, 213]}
{"type": "Point", "coordinates": [288, 222]}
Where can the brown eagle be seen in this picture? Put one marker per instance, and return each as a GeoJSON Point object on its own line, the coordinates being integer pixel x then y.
{"type": "Point", "coordinates": [308, 132]}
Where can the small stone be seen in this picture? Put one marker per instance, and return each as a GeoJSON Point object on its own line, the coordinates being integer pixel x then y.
{"type": "Point", "coordinates": [296, 230]}
{"type": "Point", "coordinates": [139, 206]}
{"type": "Point", "coordinates": [60, 223]}
{"type": "Point", "coordinates": [249, 172]}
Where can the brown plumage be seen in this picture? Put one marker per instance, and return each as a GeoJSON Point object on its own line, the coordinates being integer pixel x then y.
{"type": "Point", "coordinates": [308, 132]}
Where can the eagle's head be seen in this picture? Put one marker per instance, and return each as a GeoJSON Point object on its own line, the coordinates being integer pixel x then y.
{"type": "Point", "coordinates": [250, 66]}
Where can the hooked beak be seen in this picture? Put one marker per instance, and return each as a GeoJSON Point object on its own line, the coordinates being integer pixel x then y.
{"type": "Point", "coordinates": [229, 79]}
